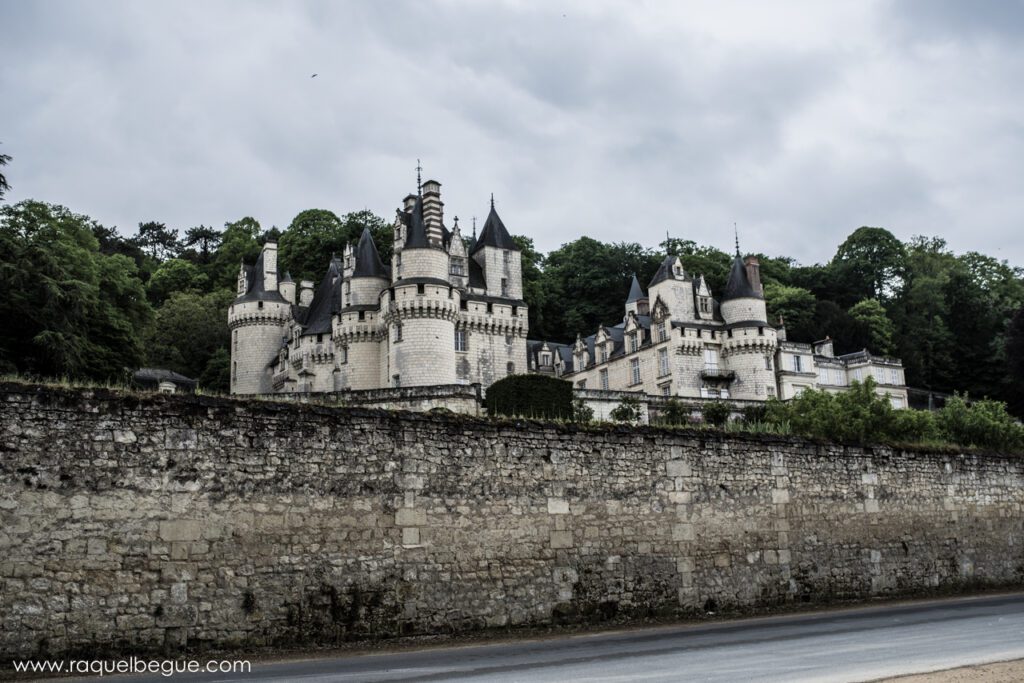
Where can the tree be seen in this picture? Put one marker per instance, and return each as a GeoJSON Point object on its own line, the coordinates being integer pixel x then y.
{"type": "Point", "coordinates": [629, 410]}
{"type": "Point", "coordinates": [710, 262]}
{"type": "Point", "coordinates": [160, 241]}
{"type": "Point", "coordinates": [796, 306]}
{"type": "Point", "coordinates": [175, 275]}
{"type": "Point", "coordinates": [4, 185]}
{"type": "Point", "coordinates": [68, 310]}
{"type": "Point", "coordinates": [188, 330]}
{"type": "Point", "coordinates": [1014, 346]}
{"type": "Point", "coordinates": [533, 285]}
{"type": "Point", "coordinates": [878, 328]}
{"type": "Point", "coordinates": [870, 263]}
{"type": "Point", "coordinates": [314, 235]}
{"type": "Point", "coordinates": [238, 244]}
{"type": "Point", "coordinates": [201, 242]}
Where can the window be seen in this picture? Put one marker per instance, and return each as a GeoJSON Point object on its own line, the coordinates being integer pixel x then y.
{"type": "Point", "coordinates": [666, 390]}
{"type": "Point", "coordinates": [897, 402]}
{"type": "Point", "coordinates": [234, 371]}
{"type": "Point", "coordinates": [823, 377]}
{"type": "Point", "coordinates": [458, 266]}
{"type": "Point", "coordinates": [894, 376]}
{"type": "Point", "coordinates": [515, 311]}
{"type": "Point", "coordinates": [319, 339]}
{"type": "Point", "coordinates": [797, 360]}
{"type": "Point", "coordinates": [362, 315]}
{"type": "Point", "coordinates": [662, 362]}
{"type": "Point", "coordinates": [634, 369]}
{"type": "Point", "coordinates": [545, 358]}
{"type": "Point", "coordinates": [490, 309]}
{"type": "Point", "coordinates": [857, 374]}
{"type": "Point", "coordinates": [344, 355]}
{"type": "Point", "coordinates": [396, 380]}
{"type": "Point", "coordinates": [398, 335]}
{"type": "Point", "coordinates": [662, 331]}
{"type": "Point", "coordinates": [504, 257]}
{"type": "Point", "coordinates": [504, 287]}
{"type": "Point", "coordinates": [767, 362]}
{"type": "Point", "coordinates": [760, 331]}
{"type": "Point", "coordinates": [460, 340]}
{"type": "Point", "coordinates": [259, 304]}
{"type": "Point", "coordinates": [602, 354]}
{"type": "Point", "coordinates": [711, 359]}
{"type": "Point", "coordinates": [582, 384]}
{"type": "Point", "coordinates": [235, 334]}
{"type": "Point", "coordinates": [421, 288]}
{"type": "Point", "coordinates": [603, 376]}
{"type": "Point", "coordinates": [631, 342]}
{"type": "Point", "coordinates": [510, 368]}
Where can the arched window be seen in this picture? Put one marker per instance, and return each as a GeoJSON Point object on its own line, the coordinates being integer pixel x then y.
{"type": "Point", "coordinates": [511, 368]}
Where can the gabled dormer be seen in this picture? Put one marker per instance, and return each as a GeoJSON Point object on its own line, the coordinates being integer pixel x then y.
{"type": "Point", "coordinates": [705, 303]}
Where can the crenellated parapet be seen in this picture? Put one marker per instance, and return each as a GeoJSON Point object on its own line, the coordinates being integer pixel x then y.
{"type": "Point", "coordinates": [690, 346]}
{"type": "Point", "coordinates": [743, 345]}
{"type": "Point", "coordinates": [247, 314]}
{"type": "Point", "coordinates": [421, 307]}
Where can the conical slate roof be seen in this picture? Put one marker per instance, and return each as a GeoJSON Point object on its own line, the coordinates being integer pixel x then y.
{"type": "Point", "coordinates": [416, 235]}
{"type": "Point", "coordinates": [255, 290]}
{"type": "Point", "coordinates": [664, 271]}
{"type": "Point", "coordinates": [635, 292]}
{"type": "Point", "coordinates": [738, 285]}
{"type": "Point", "coordinates": [368, 263]}
{"type": "Point", "coordinates": [494, 234]}
{"type": "Point", "coordinates": [326, 301]}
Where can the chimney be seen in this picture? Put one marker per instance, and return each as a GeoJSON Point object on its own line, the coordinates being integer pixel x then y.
{"type": "Point", "coordinates": [433, 210]}
{"type": "Point", "coordinates": [305, 292]}
{"type": "Point", "coordinates": [754, 273]}
{"type": "Point", "coordinates": [270, 266]}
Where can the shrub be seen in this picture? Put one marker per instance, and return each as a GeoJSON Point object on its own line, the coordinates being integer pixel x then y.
{"type": "Point", "coordinates": [627, 411]}
{"type": "Point", "coordinates": [754, 414]}
{"type": "Point", "coordinates": [983, 423]}
{"type": "Point", "coordinates": [914, 426]}
{"type": "Point", "coordinates": [581, 412]}
{"type": "Point", "coordinates": [535, 396]}
{"type": "Point", "coordinates": [716, 413]}
{"type": "Point", "coordinates": [674, 413]}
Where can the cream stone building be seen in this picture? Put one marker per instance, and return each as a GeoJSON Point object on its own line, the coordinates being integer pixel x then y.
{"type": "Point", "coordinates": [439, 314]}
{"type": "Point", "coordinates": [678, 340]}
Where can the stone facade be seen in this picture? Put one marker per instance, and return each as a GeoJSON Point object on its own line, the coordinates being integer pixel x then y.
{"type": "Point", "coordinates": [438, 314]}
{"type": "Point", "coordinates": [130, 523]}
{"type": "Point", "coordinates": [677, 340]}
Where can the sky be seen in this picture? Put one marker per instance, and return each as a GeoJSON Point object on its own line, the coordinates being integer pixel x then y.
{"type": "Point", "coordinates": [796, 121]}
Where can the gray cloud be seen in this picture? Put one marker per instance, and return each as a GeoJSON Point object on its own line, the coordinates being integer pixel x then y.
{"type": "Point", "coordinates": [799, 122]}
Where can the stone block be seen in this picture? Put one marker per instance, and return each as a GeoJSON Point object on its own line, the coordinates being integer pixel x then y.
{"type": "Point", "coordinates": [410, 536]}
{"type": "Point", "coordinates": [410, 517]}
{"type": "Point", "coordinates": [558, 506]}
{"type": "Point", "coordinates": [181, 530]}
{"type": "Point", "coordinates": [678, 468]}
{"type": "Point", "coordinates": [682, 532]}
{"type": "Point", "coordinates": [561, 539]}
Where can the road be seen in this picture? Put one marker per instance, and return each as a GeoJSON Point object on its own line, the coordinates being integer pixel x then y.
{"type": "Point", "coordinates": [845, 645]}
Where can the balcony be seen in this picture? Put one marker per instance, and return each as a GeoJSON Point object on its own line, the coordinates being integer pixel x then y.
{"type": "Point", "coordinates": [717, 374]}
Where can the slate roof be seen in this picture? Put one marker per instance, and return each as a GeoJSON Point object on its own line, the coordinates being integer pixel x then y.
{"type": "Point", "coordinates": [664, 271]}
{"type": "Point", "coordinates": [368, 263]}
{"type": "Point", "coordinates": [738, 286]}
{"type": "Point", "coordinates": [416, 232]}
{"type": "Point", "coordinates": [254, 282]}
{"type": "Point", "coordinates": [635, 291]}
{"type": "Point", "coordinates": [326, 302]}
{"type": "Point", "coordinates": [494, 234]}
{"type": "Point", "coordinates": [476, 275]}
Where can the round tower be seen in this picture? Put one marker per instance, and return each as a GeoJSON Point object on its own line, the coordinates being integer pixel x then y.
{"type": "Point", "coordinates": [419, 311]}
{"type": "Point", "coordinates": [749, 345]}
{"type": "Point", "coordinates": [257, 320]}
{"type": "Point", "coordinates": [357, 330]}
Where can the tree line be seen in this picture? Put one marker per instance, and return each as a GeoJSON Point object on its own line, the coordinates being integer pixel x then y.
{"type": "Point", "coordinates": [81, 300]}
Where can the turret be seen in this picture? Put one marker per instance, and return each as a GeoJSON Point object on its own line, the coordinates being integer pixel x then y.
{"type": "Point", "coordinates": [671, 285]}
{"type": "Point", "coordinates": [498, 255]}
{"type": "Point", "coordinates": [257, 319]}
{"type": "Point", "coordinates": [637, 302]}
{"type": "Point", "coordinates": [287, 288]}
{"type": "Point", "coordinates": [743, 300]}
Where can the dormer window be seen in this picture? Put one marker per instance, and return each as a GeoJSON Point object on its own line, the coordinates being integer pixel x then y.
{"type": "Point", "coordinates": [545, 358]}
{"type": "Point", "coordinates": [458, 266]}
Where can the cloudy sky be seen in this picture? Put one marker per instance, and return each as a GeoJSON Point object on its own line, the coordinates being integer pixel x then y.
{"type": "Point", "coordinates": [798, 121]}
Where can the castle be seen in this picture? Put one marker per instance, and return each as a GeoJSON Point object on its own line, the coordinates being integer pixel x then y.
{"type": "Point", "coordinates": [438, 314]}
{"type": "Point", "coordinates": [441, 315]}
{"type": "Point", "coordinates": [678, 340]}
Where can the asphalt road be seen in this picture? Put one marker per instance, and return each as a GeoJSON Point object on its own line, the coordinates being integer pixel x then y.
{"type": "Point", "coordinates": [847, 645]}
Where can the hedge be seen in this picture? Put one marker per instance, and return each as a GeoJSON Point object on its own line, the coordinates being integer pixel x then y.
{"type": "Point", "coordinates": [535, 396]}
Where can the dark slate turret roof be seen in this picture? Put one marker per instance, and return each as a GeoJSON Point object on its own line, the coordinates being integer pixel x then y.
{"type": "Point", "coordinates": [635, 292]}
{"type": "Point", "coordinates": [368, 263]}
{"type": "Point", "coordinates": [664, 271]}
{"type": "Point", "coordinates": [255, 291]}
{"type": "Point", "coordinates": [494, 234]}
{"type": "Point", "coordinates": [416, 232]}
{"type": "Point", "coordinates": [738, 285]}
{"type": "Point", "coordinates": [326, 301]}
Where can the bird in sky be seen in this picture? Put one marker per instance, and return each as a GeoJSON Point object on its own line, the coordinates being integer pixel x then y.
{"type": "Point", "coordinates": [313, 76]}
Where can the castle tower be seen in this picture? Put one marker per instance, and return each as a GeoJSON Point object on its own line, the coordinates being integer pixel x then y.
{"type": "Point", "coordinates": [257, 320]}
{"type": "Point", "coordinates": [357, 333]}
{"type": "Point", "coordinates": [498, 255]}
{"type": "Point", "coordinates": [671, 285]}
{"type": "Point", "coordinates": [750, 342]}
{"type": "Point", "coordinates": [637, 302]}
{"type": "Point", "coordinates": [421, 309]}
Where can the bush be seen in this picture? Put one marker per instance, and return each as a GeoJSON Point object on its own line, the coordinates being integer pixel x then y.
{"type": "Point", "coordinates": [581, 412]}
{"type": "Point", "coordinates": [983, 423]}
{"type": "Point", "coordinates": [914, 426]}
{"type": "Point", "coordinates": [534, 396]}
{"type": "Point", "coordinates": [716, 413]}
{"type": "Point", "coordinates": [627, 411]}
{"type": "Point", "coordinates": [754, 414]}
{"type": "Point", "coordinates": [674, 413]}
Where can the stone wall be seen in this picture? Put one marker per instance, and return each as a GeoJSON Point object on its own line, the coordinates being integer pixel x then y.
{"type": "Point", "coordinates": [134, 523]}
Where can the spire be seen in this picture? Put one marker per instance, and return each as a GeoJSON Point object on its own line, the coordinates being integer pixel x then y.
{"type": "Point", "coordinates": [416, 234]}
{"type": "Point", "coordinates": [494, 234]}
{"type": "Point", "coordinates": [474, 229]}
{"type": "Point", "coordinates": [368, 263]}
{"type": "Point", "coordinates": [635, 292]}
{"type": "Point", "coordinates": [736, 233]}
{"type": "Point", "coordinates": [419, 181]}
{"type": "Point", "coordinates": [738, 285]}
{"type": "Point", "coordinates": [492, 201]}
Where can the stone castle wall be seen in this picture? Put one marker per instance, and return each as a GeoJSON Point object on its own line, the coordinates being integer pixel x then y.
{"type": "Point", "coordinates": [147, 522]}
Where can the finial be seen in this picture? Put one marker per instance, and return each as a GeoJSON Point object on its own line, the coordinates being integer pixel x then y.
{"type": "Point", "coordinates": [456, 226]}
{"type": "Point", "coordinates": [419, 183]}
{"type": "Point", "coordinates": [474, 228]}
{"type": "Point", "coordinates": [492, 201]}
{"type": "Point", "coordinates": [736, 232]}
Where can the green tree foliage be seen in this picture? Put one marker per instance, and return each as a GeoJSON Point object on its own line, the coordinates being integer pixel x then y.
{"type": "Point", "coordinates": [1014, 346]}
{"type": "Point", "coordinates": [67, 309]}
{"type": "Point", "coordinates": [5, 187]}
{"type": "Point", "coordinates": [716, 413]}
{"type": "Point", "coordinates": [795, 305]}
{"type": "Point", "coordinates": [534, 292]}
{"type": "Point", "coordinates": [581, 412]}
{"type": "Point", "coordinates": [175, 275]}
{"type": "Point", "coordinates": [158, 240]}
{"type": "Point", "coordinates": [200, 244]}
{"type": "Point", "coordinates": [878, 329]}
{"type": "Point", "coordinates": [239, 243]}
{"type": "Point", "coordinates": [315, 234]}
{"type": "Point", "coordinates": [710, 262]}
{"type": "Point", "coordinates": [629, 411]}
{"type": "Point", "coordinates": [673, 412]}
{"type": "Point", "coordinates": [533, 396]}
{"type": "Point", "coordinates": [869, 264]}
{"type": "Point", "coordinates": [188, 331]}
